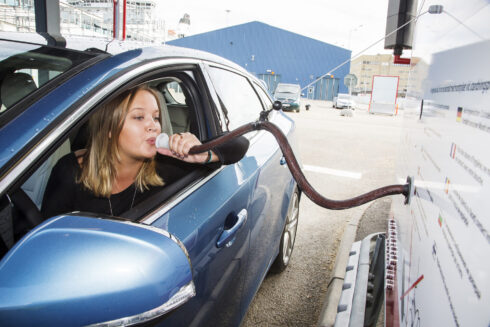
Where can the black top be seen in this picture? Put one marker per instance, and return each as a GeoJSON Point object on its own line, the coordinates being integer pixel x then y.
{"type": "Point", "coordinates": [63, 194]}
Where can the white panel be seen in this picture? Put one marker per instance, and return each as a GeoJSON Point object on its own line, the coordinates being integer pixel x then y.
{"type": "Point", "coordinates": [443, 238]}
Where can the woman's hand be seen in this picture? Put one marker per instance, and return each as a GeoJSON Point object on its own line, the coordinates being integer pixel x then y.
{"type": "Point", "coordinates": [180, 145]}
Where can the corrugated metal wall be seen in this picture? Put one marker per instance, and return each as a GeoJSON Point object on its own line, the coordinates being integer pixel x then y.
{"type": "Point", "coordinates": [271, 80]}
{"type": "Point", "coordinates": [264, 49]}
{"type": "Point", "coordinates": [326, 88]}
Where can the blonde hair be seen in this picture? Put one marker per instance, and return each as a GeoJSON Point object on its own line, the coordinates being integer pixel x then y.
{"type": "Point", "coordinates": [99, 162]}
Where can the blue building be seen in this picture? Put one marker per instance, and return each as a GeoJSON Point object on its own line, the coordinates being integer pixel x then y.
{"type": "Point", "coordinates": [276, 55]}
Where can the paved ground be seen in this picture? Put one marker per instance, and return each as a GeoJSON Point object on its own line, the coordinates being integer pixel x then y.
{"type": "Point", "coordinates": [361, 150]}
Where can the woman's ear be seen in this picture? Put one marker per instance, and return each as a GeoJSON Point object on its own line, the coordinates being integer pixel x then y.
{"type": "Point", "coordinates": [110, 134]}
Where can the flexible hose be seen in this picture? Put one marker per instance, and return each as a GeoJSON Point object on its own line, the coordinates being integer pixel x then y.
{"type": "Point", "coordinates": [298, 175]}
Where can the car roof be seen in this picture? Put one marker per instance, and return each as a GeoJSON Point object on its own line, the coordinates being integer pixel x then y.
{"type": "Point", "coordinates": [175, 51]}
{"type": "Point", "coordinates": [115, 47]}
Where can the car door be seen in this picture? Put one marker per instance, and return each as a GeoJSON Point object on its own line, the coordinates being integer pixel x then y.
{"type": "Point", "coordinates": [210, 216]}
{"type": "Point", "coordinates": [263, 167]}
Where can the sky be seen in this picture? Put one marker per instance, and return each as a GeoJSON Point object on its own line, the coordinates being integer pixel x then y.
{"type": "Point", "coordinates": [351, 24]}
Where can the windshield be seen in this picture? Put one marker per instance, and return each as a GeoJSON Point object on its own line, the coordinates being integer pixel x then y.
{"type": "Point", "coordinates": [25, 68]}
{"type": "Point", "coordinates": [282, 88]}
{"type": "Point", "coordinates": [343, 96]}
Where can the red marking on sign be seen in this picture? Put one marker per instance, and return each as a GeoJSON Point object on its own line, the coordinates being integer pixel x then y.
{"type": "Point", "coordinates": [413, 286]}
{"type": "Point", "coordinates": [452, 154]}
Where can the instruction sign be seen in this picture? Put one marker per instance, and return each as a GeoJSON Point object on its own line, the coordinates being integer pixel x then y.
{"type": "Point", "coordinates": [443, 269]}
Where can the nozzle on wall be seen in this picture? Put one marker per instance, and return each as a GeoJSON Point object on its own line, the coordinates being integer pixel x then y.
{"type": "Point", "coordinates": [408, 191]}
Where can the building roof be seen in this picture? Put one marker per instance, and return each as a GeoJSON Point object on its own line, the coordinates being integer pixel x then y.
{"type": "Point", "coordinates": [261, 49]}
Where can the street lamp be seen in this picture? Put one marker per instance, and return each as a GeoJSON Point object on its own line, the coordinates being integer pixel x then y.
{"type": "Point", "coordinates": [227, 17]}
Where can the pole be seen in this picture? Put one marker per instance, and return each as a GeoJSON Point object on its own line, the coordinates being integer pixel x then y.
{"type": "Point", "coordinates": [124, 21]}
{"type": "Point", "coordinates": [47, 16]}
{"type": "Point", "coordinates": [114, 19]}
{"type": "Point", "coordinates": [350, 91]}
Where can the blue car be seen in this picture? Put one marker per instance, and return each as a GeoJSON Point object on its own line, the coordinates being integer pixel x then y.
{"type": "Point", "coordinates": [193, 254]}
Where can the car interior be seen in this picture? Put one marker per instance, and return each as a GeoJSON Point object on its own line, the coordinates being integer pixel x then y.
{"type": "Point", "coordinates": [16, 86]}
{"type": "Point", "coordinates": [20, 208]}
{"type": "Point", "coordinates": [26, 68]}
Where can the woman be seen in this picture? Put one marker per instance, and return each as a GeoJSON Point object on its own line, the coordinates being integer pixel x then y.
{"type": "Point", "coordinates": [118, 168]}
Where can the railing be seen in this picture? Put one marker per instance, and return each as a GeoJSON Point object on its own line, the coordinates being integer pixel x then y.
{"type": "Point", "coordinates": [78, 22]}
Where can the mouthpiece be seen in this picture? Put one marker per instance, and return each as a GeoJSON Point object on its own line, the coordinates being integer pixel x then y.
{"type": "Point", "coordinates": [162, 141]}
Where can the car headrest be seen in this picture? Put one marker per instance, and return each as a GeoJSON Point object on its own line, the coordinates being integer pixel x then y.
{"type": "Point", "coordinates": [166, 123]}
{"type": "Point", "coordinates": [15, 86]}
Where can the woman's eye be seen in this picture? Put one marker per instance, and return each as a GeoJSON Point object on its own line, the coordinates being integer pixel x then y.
{"type": "Point", "coordinates": [139, 117]}
{"type": "Point", "coordinates": [157, 119]}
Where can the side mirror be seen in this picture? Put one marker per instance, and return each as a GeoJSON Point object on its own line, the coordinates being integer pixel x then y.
{"type": "Point", "coordinates": [277, 105]}
{"type": "Point", "coordinates": [80, 270]}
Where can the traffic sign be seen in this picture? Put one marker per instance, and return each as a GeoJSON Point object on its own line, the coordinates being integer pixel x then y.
{"type": "Point", "coordinates": [350, 80]}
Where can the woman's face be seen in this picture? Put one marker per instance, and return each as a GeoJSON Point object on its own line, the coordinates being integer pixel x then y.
{"type": "Point", "coordinates": [140, 129]}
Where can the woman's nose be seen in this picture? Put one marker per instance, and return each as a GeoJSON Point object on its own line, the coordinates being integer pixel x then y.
{"type": "Point", "coordinates": [152, 124]}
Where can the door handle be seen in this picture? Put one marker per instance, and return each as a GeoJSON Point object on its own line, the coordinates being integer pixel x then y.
{"type": "Point", "coordinates": [228, 235]}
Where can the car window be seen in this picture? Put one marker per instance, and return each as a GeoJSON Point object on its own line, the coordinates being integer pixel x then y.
{"type": "Point", "coordinates": [238, 99]}
{"type": "Point", "coordinates": [21, 207]}
{"type": "Point", "coordinates": [283, 88]}
{"type": "Point", "coordinates": [178, 107]}
{"type": "Point", "coordinates": [174, 93]}
{"type": "Point", "coordinates": [265, 98]}
{"type": "Point", "coordinates": [24, 68]}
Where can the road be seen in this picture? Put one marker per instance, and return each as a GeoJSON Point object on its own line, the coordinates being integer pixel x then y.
{"type": "Point", "coordinates": [342, 157]}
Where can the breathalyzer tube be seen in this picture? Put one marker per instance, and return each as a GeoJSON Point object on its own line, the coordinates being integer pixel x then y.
{"type": "Point", "coordinates": [298, 175]}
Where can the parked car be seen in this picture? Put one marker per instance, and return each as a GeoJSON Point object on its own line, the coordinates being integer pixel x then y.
{"type": "Point", "coordinates": [289, 95]}
{"type": "Point", "coordinates": [343, 100]}
{"type": "Point", "coordinates": [195, 253]}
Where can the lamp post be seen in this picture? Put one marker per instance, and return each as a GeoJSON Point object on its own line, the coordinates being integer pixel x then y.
{"type": "Point", "coordinates": [227, 17]}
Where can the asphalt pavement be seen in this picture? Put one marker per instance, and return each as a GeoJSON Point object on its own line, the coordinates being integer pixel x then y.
{"type": "Point", "coordinates": [342, 157]}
